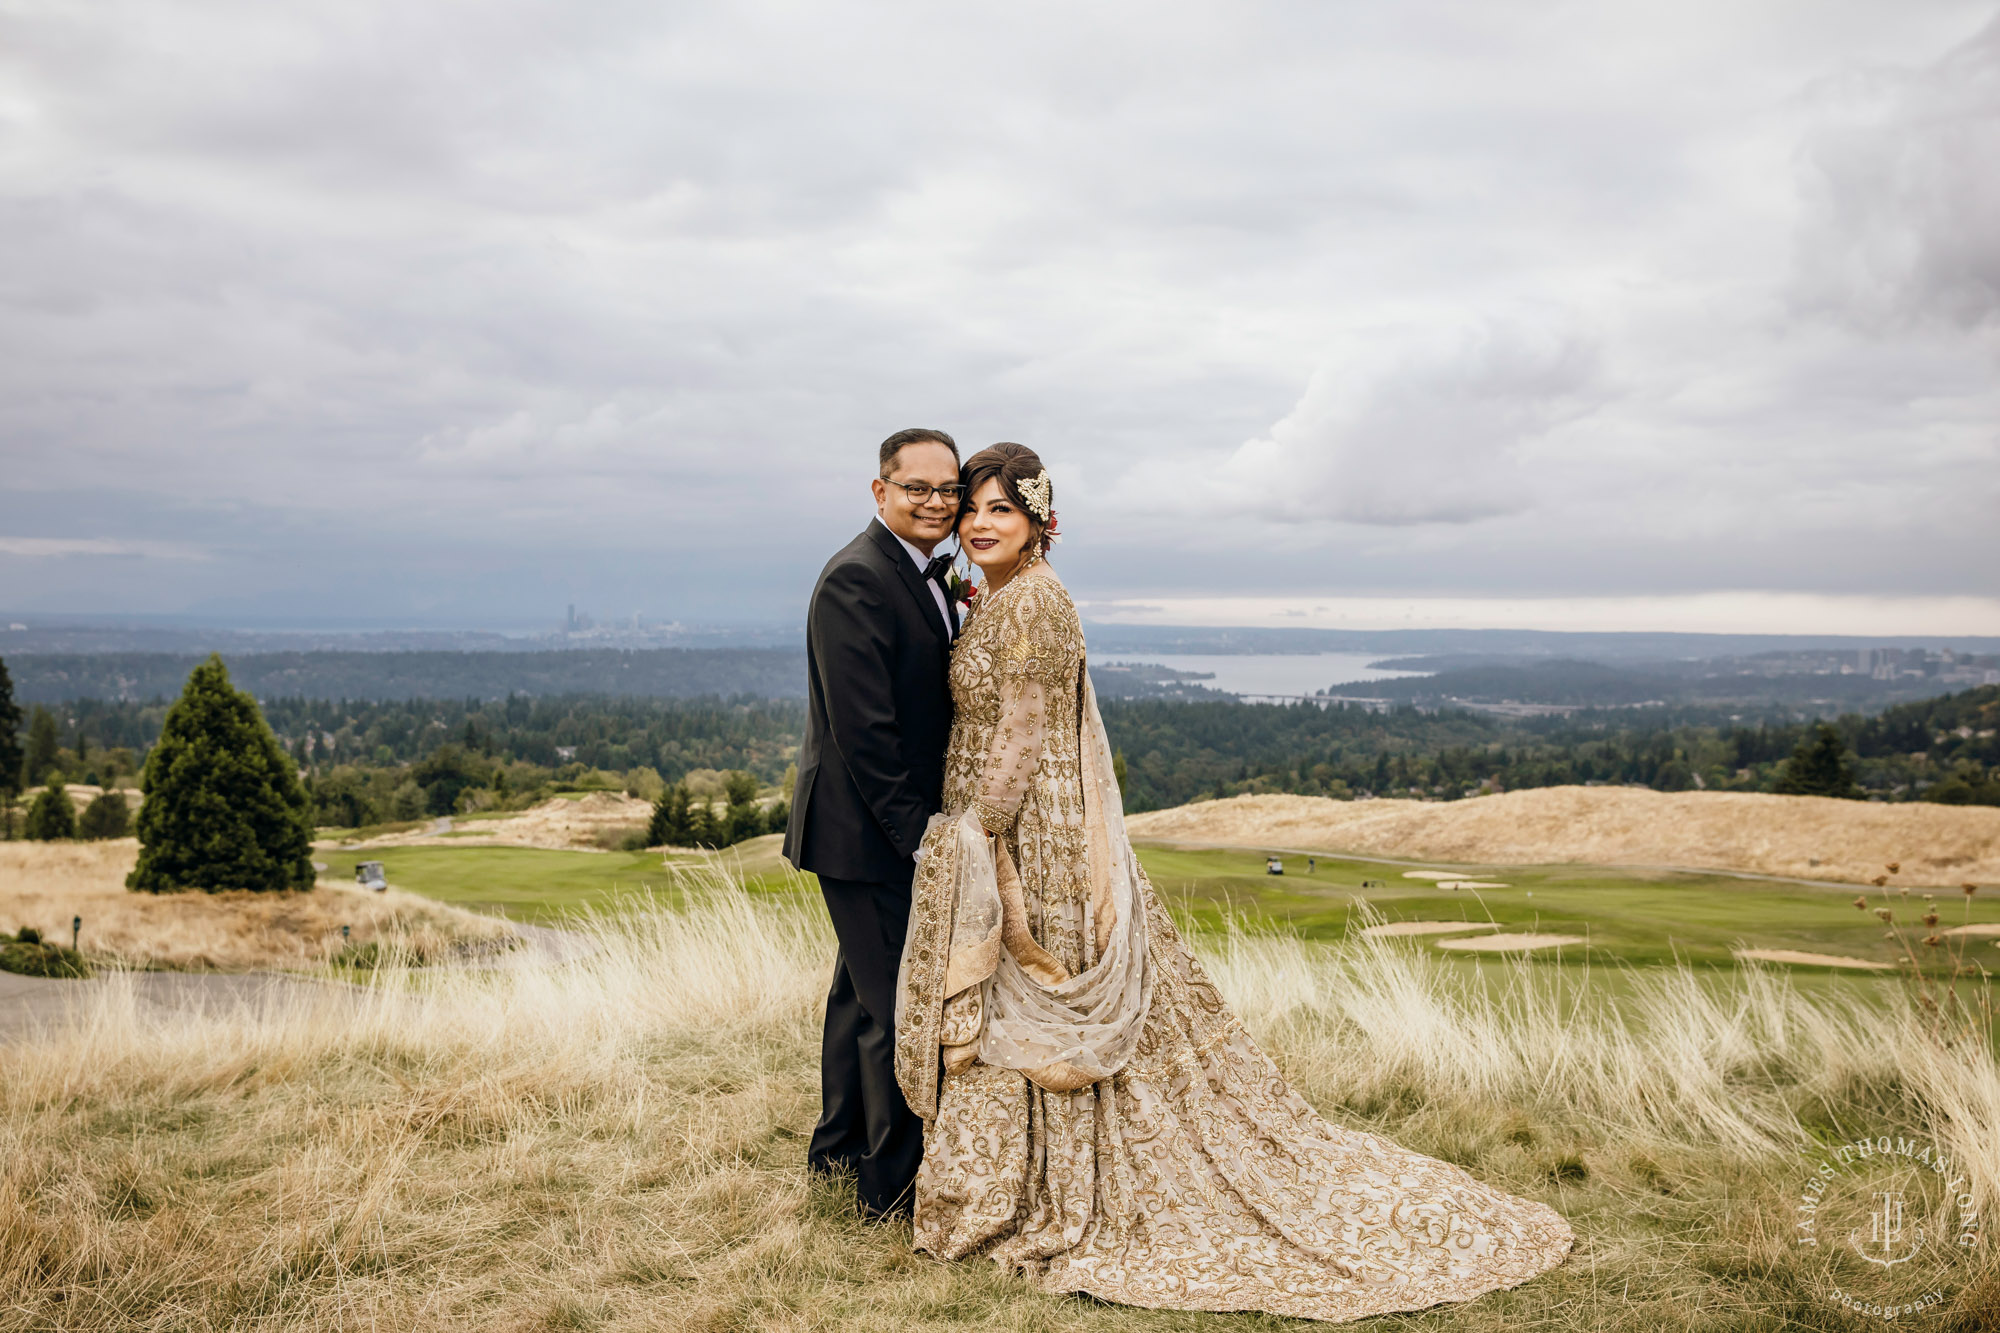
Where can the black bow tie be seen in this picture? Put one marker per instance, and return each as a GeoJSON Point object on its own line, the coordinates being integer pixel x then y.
{"type": "Point", "coordinates": [938, 567]}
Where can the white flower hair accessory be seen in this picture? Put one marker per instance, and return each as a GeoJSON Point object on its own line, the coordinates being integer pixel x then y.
{"type": "Point", "coordinates": [1035, 491]}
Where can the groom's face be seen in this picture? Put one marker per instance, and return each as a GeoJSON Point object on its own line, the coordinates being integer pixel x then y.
{"type": "Point", "coordinates": [922, 525]}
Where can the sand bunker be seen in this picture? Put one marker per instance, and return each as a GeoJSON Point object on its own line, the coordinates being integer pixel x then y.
{"type": "Point", "coordinates": [584, 824]}
{"type": "Point", "coordinates": [1390, 928]}
{"type": "Point", "coordinates": [1979, 928]}
{"type": "Point", "coordinates": [1500, 943]}
{"type": "Point", "coordinates": [1811, 959]}
{"type": "Point", "coordinates": [1811, 837]}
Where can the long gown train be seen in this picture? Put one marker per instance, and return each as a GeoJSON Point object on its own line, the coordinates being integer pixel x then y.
{"type": "Point", "coordinates": [1097, 1118]}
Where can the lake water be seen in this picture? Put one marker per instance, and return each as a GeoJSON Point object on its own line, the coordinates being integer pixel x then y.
{"type": "Point", "coordinates": [1273, 673]}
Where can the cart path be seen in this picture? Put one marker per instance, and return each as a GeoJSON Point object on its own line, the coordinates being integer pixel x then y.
{"type": "Point", "coordinates": [33, 1004]}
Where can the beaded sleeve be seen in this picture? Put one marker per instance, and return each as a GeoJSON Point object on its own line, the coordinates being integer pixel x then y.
{"type": "Point", "coordinates": [1031, 656]}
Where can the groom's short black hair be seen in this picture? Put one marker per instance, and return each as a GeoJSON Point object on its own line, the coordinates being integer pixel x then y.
{"type": "Point", "coordinates": [914, 435]}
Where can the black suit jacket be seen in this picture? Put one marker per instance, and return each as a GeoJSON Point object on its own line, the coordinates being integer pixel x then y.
{"type": "Point", "coordinates": [878, 715]}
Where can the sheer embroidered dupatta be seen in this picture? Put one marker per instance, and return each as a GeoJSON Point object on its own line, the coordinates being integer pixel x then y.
{"type": "Point", "coordinates": [1011, 1003]}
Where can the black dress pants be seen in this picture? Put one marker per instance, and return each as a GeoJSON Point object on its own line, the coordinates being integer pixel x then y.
{"type": "Point", "coordinates": [865, 1126]}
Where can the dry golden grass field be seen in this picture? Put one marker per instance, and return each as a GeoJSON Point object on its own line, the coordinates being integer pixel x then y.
{"type": "Point", "coordinates": [617, 1143]}
{"type": "Point", "coordinates": [46, 884]}
{"type": "Point", "coordinates": [1808, 837]}
{"type": "Point", "coordinates": [614, 1139]}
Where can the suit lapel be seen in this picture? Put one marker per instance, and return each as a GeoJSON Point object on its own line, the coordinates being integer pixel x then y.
{"type": "Point", "coordinates": [912, 578]}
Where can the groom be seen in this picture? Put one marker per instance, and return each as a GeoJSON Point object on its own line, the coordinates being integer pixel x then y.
{"type": "Point", "coordinates": [871, 773]}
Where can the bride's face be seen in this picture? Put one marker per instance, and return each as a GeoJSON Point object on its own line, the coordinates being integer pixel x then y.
{"type": "Point", "coordinates": [994, 530]}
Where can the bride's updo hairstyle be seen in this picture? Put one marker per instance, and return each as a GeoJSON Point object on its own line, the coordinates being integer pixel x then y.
{"type": "Point", "coordinates": [1012, 464]}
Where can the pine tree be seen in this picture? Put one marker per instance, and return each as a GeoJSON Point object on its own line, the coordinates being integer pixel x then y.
{"type": "Point", "coordinates": [669, 825]}
{"type": "Point", "coordinates": [42, 747]}
{"type": "Point", "coordinates": [1819, 766]}
{"type": "Point", "coordinates": [779, 817]}
{"type": "Point", "coordinates": [52, 816]}
{"type": "Point", "coordinates": [223, 805]}
{"type": "Point", "coordinates": [743, 819]}
{"type": "Point", "coordinates": [106, 817]}
{"type": "Point", "coordinates": [701, 825]}
{"type": "Point", "coordinates": [11, 757]}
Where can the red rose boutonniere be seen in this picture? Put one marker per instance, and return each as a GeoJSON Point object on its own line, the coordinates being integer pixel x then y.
{"type": "Point", "coordinates": [960, 588]}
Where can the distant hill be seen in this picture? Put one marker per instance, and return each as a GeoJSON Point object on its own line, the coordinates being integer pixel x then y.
{"type": "Point", "coordinates": [660, 673]}
{"type": "Point", "coordinates": [1808, 837]}
{"type": "Point", "coordinates": [644, 673]}
{"type": "Point", "coordinates": [1565, 682]}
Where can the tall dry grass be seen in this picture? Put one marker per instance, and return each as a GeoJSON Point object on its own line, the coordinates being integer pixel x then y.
{"type": "Point", "coordinates": [618, 1142]}
{"type": "Point", "coordinates": [47, 884]}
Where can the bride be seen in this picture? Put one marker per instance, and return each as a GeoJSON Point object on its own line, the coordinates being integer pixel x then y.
{"type": "Point", "coordinates": [1095, 1116]}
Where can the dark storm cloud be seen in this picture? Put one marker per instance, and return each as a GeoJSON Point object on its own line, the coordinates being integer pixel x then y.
{"type": "Point", "coordinates": [388, 308]}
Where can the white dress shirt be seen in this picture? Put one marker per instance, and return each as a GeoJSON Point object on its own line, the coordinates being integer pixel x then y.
{"type": "Point", "coordinates": [937, 592]}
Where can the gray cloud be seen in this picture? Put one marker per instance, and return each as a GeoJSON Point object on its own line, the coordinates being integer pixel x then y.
{"type": "Point", "coordinates": [1392, 434]}
{"type": "Point", "coordinates": [389, 308]}
{"type": "Point", "coordinates": [1904, 201]}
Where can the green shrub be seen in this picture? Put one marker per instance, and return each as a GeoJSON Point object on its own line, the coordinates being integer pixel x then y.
{"type": "Point", "coordinates": [362, 957]}
{"type": "Point", "coordinates": [366, 957]}
{"type": "Point", "coordinates": [52, 816]}
{"type": "Point", "coordinates": [27, 955]}
{"type": "Point", "coordinates": [106, 817]}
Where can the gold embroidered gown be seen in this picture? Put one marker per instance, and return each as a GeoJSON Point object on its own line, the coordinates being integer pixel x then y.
{"type": "Point", "coordinates": [1193, 1177]}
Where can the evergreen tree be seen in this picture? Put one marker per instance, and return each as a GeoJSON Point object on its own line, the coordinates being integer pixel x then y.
{"type": "Point", "coordinates": [106, 817]}
{"type": "Point", "coordinates": [701, 826]}
{"type": "Point", "coordinates": [1819, 766]}
{"type": "Point", "coordinates": [449, 771]}
{"type": "Point", "coordinates": [52, 816]}
{"type": "Point", "coordinates": [42, 747]}
{"type": "Point", "coordinates": [744, 820]}
{"type": "Point", "coordinates": [223, 808]}
{"type": "Point", "coordinates": [11, 757]}
{"type": "Point", "coordinates": [778, 817]}
{"type": "Point", "coordinates": [669, 825]}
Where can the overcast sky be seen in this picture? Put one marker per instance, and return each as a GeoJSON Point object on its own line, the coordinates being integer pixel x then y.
{"type": "Point", "coordinates": [466, 311]}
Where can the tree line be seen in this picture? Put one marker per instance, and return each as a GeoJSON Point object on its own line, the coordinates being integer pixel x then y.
{"type": "Point", "coordinates": [1943, 749]}
{"type": "Point", "coordinates": [367, 762]}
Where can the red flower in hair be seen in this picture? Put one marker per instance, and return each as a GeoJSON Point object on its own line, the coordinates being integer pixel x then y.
{"type": "Point", "coordinates": [1050, 534]}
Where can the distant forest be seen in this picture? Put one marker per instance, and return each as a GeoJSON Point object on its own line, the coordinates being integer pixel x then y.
{"type": "Point", "coordinates": [396, 759]}
{"type": "Point", "coordinates": [1934, 749]}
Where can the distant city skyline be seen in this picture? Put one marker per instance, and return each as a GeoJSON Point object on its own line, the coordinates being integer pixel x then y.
{"type": "Point", "coordinates": [1536, 316]}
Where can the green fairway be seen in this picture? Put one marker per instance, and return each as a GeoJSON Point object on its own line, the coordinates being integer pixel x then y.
{"type": "Point", "coordinates": [1639, 918]}
{"type": "Point", "coordinates": [1629, 917]}
{"type": "Point", "coordinates": [531, 884]}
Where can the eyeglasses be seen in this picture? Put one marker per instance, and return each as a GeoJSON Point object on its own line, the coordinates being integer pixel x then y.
{"type": "Point", "coordinates": [920, 491]}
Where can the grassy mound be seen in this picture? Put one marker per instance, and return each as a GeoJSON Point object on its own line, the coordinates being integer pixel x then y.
{"type": "Point", "coordinates": [1812, 837]}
